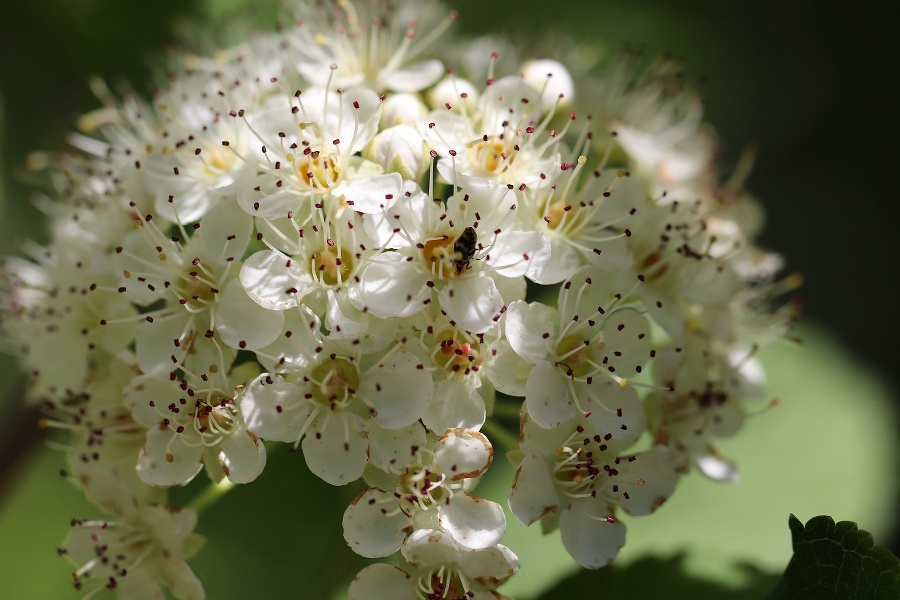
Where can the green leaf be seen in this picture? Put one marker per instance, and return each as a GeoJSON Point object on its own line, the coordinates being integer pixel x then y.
{"type": "Point", "coordinates": [835, 561]}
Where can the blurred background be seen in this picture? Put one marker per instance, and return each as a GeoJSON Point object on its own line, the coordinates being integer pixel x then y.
{"type": "Point", "coordinates": [806, 85]}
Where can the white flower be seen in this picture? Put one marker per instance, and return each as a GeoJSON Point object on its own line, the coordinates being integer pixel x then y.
{"type": "Point", "coordinates": [140, 550]}
{"type": "Point", "coordinates": [504, 142]}
{"type": "Point", "coordinates": [354, 44]}
{"type": "Point", "coordinates": [575, 475]}
{"type": "Point", "coordinates": [571, 356]}
{"type": "Point", "coordinates": [423, 485]}
{"type": "Point", "coordinates": [707, 385]}
{"type": "Point", "coordinates": [322, 404]}
{"type": "Point", "coordinates": [461, 252]}
{"type": "Point", "coordinates": [438, 568]}
{"type": "Point", "coordinates": [586, 224]}
{"type": "Point", "coordinates": [192, 422]}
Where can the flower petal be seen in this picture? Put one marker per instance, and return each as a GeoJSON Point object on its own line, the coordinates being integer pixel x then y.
{"type": "Point", "coordinates": [474, 303]}
{"type": "Point", "coordinates": [398, 389]}
{"type": "Point", "coordinates": [473, 522]}
{"type": "Point", "coordinates": [382, 582]}
{"type": "Point", "coordinates": [533, 494]}
{"type": "Point", "coordinates": [337, 450]}
{"type": "Point", "coordinates": [547, 396]}
{"type": "Point", "coordinates": [374, 527]}
{"type": "Point", "coordinates": [588, 536]}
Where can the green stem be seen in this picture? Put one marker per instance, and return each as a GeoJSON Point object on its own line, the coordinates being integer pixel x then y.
{"type": "Point", "coordinates": [210, 495]}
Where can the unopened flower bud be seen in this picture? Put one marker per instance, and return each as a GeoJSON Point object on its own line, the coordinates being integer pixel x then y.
{"type": "Point", "coordinates": [401, 109]}
{"type": "Point", "coordinates": [400, 149]}
{"type": "Point", "coordinates": [553, 80]}
{"type": "Point", "coordinates": [453, 93]}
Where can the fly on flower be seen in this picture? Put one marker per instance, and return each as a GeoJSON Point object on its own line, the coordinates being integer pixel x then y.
{"type": "Point", "coordinates": [465, 246]}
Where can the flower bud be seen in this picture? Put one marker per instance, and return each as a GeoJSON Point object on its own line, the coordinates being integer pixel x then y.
{"type": "Point", "coordinates": [401, 109]}
{"type": "Point", "coordinates": [553, 80]}
{"type": "Point", "coordinates": [400, 149]}
{"type": "Point", "coordinates": [455, 92]}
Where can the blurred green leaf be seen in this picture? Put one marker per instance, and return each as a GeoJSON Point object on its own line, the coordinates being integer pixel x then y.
{"type": "Point", "coordinates": [836, 562]}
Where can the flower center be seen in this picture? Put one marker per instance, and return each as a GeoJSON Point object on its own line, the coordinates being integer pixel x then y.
{"type": "Point", "coordinates": [443, 583]}
{"type": "Point", "coordinates": [196, 293]}
{"type": "Point", "coordinates": [332, 266]}
{"type": "Point", "coordinates": [335, 381]}
{"type": "Point", "coordinates": [317, 171]}
{"type": "Point", "coordinates": [492, 156]}
{"type": "Point", "coordinates": [422, 487]}
{"type": "Point", "coordinates": [574, 357]}
{"type": "Point", "coordinates": [457, 353]}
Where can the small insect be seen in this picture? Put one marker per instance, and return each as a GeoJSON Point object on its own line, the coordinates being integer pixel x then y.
{"type": "Point", "coordinates": [464, 247]}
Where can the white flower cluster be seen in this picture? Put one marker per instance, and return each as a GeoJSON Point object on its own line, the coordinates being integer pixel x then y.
{"type": "Point", "coordinates": [348, 238]}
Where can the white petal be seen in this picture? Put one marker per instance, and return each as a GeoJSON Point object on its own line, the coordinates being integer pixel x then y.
{"type": "Point", "coordinates": [533, 494]}
{"type": "Point", "coordinates": [626, 333]}
{"type": "Point", "coordinates": [242, 456]}
{"type": "Point", "coordinates": [474, 303]}
{"type": "Point", "coordinates": [382, 582]}
{"type": "Point", "coordinates": [564, 260]}
{"type": "Point", "coordinates": [586, 534]}
{"type": "Point", "coordinates": [145, 395]}
{"type": "Point", "coordinates": [271, 283]}
{"type": "Point", "coordinates": [413, 78]}
{"type": "Point", "coordinates": [156, 468]}
{"type": "Point", "coordinates": [243, 323]}
{"type": "Point", "coordinates": [547, 396]}
{"type": "Point", "coordinates": [274, 409]}
{"type": "Point", "coordinates": [155, 343]}
{"type": "Point", "coordinates": [517, 253]}
{"type": "Point", "coordinates": [455, 403]}
{"type": "Point", "coordinates": [390, 449]}
{"type": "Point", "coordinates": [430, 547]}
{"type": "Point", "coordinates": [473, 522]}
{"type": "Point", "coordinates": [372, 195]}
{"type": "Point", "coordinates": [391, 288]}
{"type": "Point", "coordinates": [490, 567]}
{"type": "Point", "coordinates": [373, 525]}
{"type": "Point", "coordinates": [528, 327]}
{"type": "Point", "coordinates": [337, 451]}
{"type": "Point", "coordinates": [648, 478]}
{"type": "Point", "coordinates": [399, 389]}
{"type": "Point", "coordinates": [508, 371]}
{"type": "Point", "coordinates": [224, 233]}
{"type": "Point", "coordinates": [463, 454]}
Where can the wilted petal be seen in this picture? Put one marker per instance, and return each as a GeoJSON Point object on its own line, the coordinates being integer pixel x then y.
{"type": "Point", "coordinates": [463, 454]}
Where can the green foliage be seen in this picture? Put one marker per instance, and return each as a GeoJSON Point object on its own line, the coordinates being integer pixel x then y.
{"type": "Point", "coordinates": [835, 561]}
